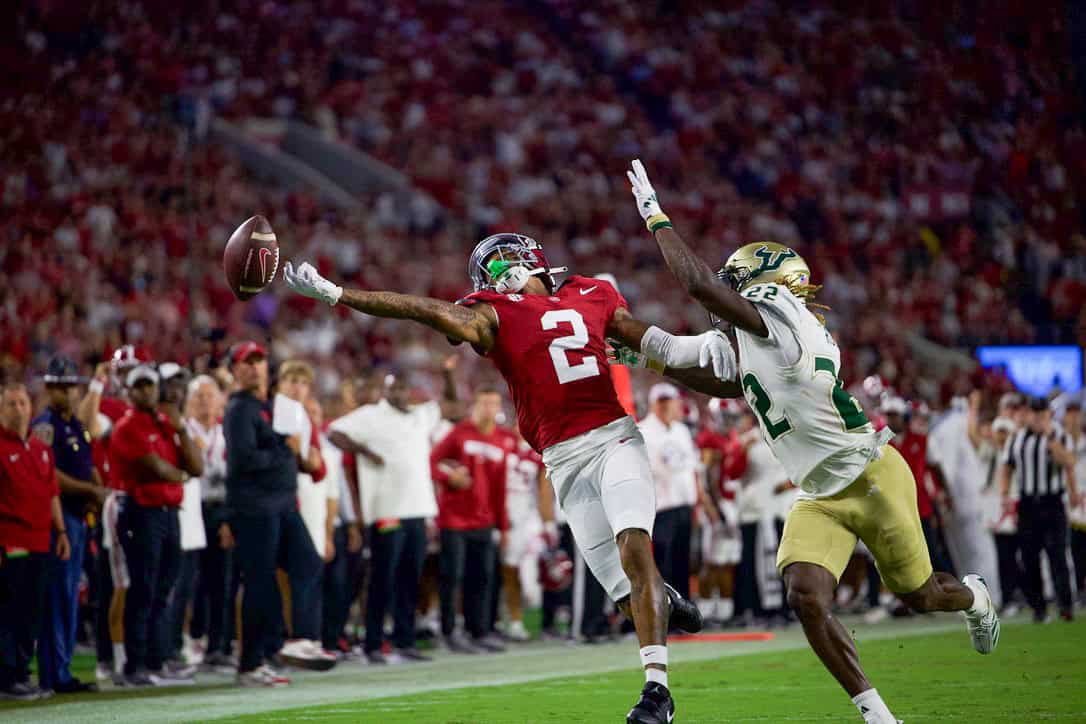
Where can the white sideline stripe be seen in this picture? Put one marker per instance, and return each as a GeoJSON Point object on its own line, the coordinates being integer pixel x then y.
{"type": "Point", "coordinates": [352, 682]}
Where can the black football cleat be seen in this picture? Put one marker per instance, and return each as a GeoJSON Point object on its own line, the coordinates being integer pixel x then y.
{"type": "Point", "coordinates": [684, 614]}
{"type": "Point", "coordinates": [655, 706]}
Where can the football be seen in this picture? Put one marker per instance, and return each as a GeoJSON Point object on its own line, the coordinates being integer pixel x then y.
{"type": "Point", "coordinates": [251, 258]}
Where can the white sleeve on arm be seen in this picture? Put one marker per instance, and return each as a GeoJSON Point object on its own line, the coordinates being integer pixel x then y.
{"type": "Point", "coordinates": [672, 350]}
{"type": "Point", "coordinates": [354, 424]}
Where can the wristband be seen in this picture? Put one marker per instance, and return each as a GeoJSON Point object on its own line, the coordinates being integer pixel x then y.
{"type": "Point", "coordinates": [96, 387]}
{"type": "Point", "coordinates": [658, 221]}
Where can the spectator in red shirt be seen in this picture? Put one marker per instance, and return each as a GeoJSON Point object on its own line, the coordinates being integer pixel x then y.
{"type": "Point", "coordinates": [910, 426]}
{"type": "Point", "coordinates": [152, 455]}
{"type": "Point", "coordinates": [469, 472]}
{"type": "Point", "coordinates": [29, 504]}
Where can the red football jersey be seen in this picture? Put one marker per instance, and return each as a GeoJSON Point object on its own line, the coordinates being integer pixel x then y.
{"type": "Point", "coordinates": [733, 456]}
{"type": "Point", "coordinates": [114, 408]}
{"type": "Point", "coordinates": [553, 355]}
{"type": "Point", "coordinates": [914, 448]}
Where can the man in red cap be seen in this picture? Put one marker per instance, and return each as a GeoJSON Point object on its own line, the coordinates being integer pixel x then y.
{"type": "Point", "coordinates": [262, 509]}
{"type": "Point", "coordinates": [29, 506]}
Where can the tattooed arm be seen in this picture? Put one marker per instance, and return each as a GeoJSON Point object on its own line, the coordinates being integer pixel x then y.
{"type": "Point", "coordinates": [700, 379]}
{"type": "Point", "coordinates": [701, 283]}
{"type": "Point", "coordinates": [475, 325]}
{"type": "Point", "coordinates": [693, 273]}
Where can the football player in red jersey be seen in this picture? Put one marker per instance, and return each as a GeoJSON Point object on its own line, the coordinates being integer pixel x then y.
{"type": "Point", "coordinates": [549, 342]}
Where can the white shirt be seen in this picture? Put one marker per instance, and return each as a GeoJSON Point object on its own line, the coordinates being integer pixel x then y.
{"type": "Point", "coordinates": [673, 460]}
{"type": "Point", "coordinates": [949, 446]}
{"type": "Point", "coordinates": [756, 500]}
{"type": "Point", "coordinates": [313, 497]}
{"type": "Point", "coordinates": [402, 487]}
{"type": "Point", "coordinates": [1077, 516]}
{"type": "Point", "coordinates": [191, 515]}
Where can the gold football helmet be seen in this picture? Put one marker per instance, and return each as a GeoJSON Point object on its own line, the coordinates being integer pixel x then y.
{"type": "Point", "coordinates": [768, 261]}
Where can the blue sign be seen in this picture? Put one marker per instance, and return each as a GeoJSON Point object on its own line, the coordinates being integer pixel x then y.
{"type": "Point", "coordinates": [1037, 369]}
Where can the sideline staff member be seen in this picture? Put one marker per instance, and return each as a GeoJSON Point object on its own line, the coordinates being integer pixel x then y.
{"type": "Point", "coordinates": [66, 432]}
{"type": "Point", "coordinates": [29, 501]}
{"type": "Point", "coordinates": [262, 498]}
{"type": "Point", "coordinates": [152, 456]}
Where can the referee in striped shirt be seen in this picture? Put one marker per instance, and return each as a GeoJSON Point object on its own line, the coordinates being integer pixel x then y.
{"type": "Point", "coordinates": [1038, 458]}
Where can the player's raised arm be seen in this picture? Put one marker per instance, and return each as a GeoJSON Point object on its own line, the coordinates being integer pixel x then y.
{"type": "Point", "coordinates": [697, 278]}
{"type": "Point", "coordinates": [475, 325]}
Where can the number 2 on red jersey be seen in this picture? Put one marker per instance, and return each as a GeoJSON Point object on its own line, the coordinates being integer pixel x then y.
{"type": "Point", "coordinates": [589, 366]}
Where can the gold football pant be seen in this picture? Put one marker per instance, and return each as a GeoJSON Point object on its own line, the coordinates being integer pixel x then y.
{"type": "Point", "coordinates": [879, 508]}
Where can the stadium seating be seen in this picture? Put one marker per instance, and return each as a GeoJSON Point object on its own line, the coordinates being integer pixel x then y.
{"type": "Point", "coordinates": [776, 125]}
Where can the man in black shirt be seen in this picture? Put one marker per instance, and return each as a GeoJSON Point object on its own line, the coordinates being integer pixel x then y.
{"type": "Point", "coordinates": [1039, 457]}
{"type": "Point", "coordinates": [262, 503]}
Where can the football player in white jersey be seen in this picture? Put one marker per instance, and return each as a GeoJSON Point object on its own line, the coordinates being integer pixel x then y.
{"type": "Point", "coordinates": [852, 484]}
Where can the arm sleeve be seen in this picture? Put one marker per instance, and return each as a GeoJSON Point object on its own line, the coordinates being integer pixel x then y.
{"type": "Point", "coordinates": [1007, 456]}
{"type": "Point", "coordinates": [735, 462]}
{"type": "Point", "coordinates": [353, 425]}
{"type": "Point", "coordinates": [497, 495]}
{"type": "Point", "coordinates": [315, 444]}
{"type": "Point", "coordinates": [53, 470]}
{"type": "Point", "coordinates": [447, 449]}
{"type": "Point", "coordinates": [128, 444]}
{"type": "Point", "coordinates": [242, 454]}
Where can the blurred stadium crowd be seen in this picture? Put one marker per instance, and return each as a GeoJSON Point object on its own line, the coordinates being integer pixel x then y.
{"type": "Point", "coordinates": [929, 161]}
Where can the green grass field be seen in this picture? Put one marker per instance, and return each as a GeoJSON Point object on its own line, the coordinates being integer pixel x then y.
{"type": "Point", "coordinates": [926, 671]}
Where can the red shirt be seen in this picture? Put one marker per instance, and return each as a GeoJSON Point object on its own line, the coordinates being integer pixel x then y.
{"type": "Point", "coordinates": [482, 505]}
{"type": "Point", "coordinates": [553, 354]}
{"type": "Point", "coordinates": [138, 434]}
{"type": "Point", "coordinates": [114, 408]}
{"type": "Point", "coordinates": [914, 448]}
{"type": "Point", "coordinates": [28, 484]}
{"type": "Point", "coordinates": [733, 456]}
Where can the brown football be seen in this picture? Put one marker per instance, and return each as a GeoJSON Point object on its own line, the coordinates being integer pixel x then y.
{"type": "Point", "coordinates": [251, 259]}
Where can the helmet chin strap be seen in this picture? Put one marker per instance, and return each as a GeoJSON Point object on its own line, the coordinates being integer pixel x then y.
{"type": "Point", "coordinates": [516, 278]}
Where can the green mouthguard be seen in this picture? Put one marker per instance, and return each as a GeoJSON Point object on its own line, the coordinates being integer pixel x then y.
{"type": "Point", "coordinates": [497, 268]}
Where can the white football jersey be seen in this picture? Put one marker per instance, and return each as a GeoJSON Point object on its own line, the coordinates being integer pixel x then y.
{"type": "Point", "coordinates": [817, 430]}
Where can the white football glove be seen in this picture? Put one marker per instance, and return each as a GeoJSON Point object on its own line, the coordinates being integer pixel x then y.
{"type": "Point", "coordinates": [308, 282]}
{"type": "Point", "coordinates": [647, 203]}
{"type": "Point", "coordinates": [716, 350]}
{"type": "Point", "coordinates": [710, 349]}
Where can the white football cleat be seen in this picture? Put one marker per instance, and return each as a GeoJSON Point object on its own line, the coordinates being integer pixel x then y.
{"type": "Point", "coordinates": [982, 619]}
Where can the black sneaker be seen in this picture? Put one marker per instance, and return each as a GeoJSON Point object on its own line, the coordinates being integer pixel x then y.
{"type": "Point", "coordinates": [142, 677]}
{"type": "Point", "coordinates": [458, 645]}
{"type": "Point", "coordinates": [490, 644]}
{"type": "Point", "coordinates": [684, 614]}
{"type": "Point", "coordinates": [20, 692]}
{"type": "Point", "coordinates": [655, 706]}
{"type": "Point", "coordinates": [75, 686]}
{"type": "Point", "coordinates": [412, 655]}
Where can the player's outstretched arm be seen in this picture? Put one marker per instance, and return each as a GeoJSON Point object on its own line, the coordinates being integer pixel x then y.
{"type": "Point", "coordinates": [696, 277]}
{"type": "Point", "coordinates": [698, 379]}
{"type": "Point", "coordinates": [710, 349]}
{"type": "Point", "coordinates": [475, 325]}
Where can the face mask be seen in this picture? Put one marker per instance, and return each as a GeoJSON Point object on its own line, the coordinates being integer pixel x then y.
{"type": "Point", "coordinates": [508, 279]}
